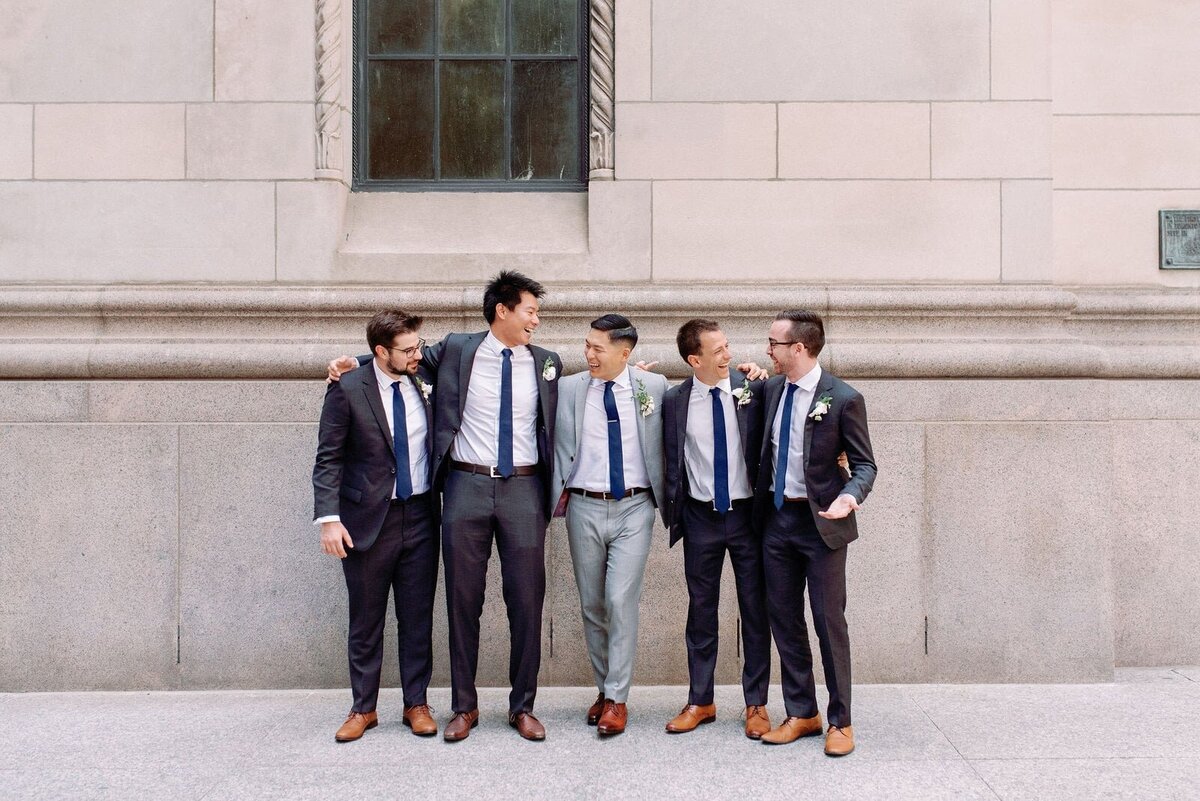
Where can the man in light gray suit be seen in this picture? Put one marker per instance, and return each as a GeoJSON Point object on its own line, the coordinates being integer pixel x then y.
{"type": "Point", "coordinates": [608, 472]}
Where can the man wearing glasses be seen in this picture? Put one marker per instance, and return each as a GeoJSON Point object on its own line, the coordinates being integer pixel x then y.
{"type": "Point", "coordinates": [371, 483]}
{"type": "Point", "coordinates": [805, 503]}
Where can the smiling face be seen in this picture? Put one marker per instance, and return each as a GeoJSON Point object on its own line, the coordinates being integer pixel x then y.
{"type": "Point", "coordinates": [712, 363]}
{"type": "Point", "coordinates": [515, 326]}
{"type": "Point", "coordinates": [789, 358]}
{"type": "Point", "coordinates": [605, 358]}
{"type": "Point", "coordinates": [403, 357]}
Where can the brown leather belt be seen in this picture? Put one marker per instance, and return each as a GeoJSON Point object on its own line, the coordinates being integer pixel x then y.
{"type": "Point", "coordinates": [608, 496]}
{"type": "Point", "coordinates": [491, 472]}
{"type": "Point", "coordinates": [795, 500]}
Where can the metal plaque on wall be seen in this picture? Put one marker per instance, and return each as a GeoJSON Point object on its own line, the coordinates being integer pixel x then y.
{"type": "Point", "coordinates": [1179, 239]}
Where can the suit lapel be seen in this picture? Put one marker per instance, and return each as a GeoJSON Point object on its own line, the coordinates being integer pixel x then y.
{"type": "Point", "coordinates": [823, 387]}
{"type": "Point", "coordinates": [428, 416]}
{"type": "Point", "coordinates": [682, 403]}
{"type": "Point", "coordinates": [581, 393]}
{"type": "Point", "coordinates": [466, 362]}
{"type": "Point", "coordinates": [637, 414]}
{"type": "Point", "coordinates": [773, 390]}
{"type": "Point", "coordinates": [371, 389]}
{"type": "Point", "coordinates": [740, 412]}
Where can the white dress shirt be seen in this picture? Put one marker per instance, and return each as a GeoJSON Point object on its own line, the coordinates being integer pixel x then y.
{"type": "Point", "coordinates": [591, 458]}
{"type": "Point", "coordinates": [698, 448]}
{"type": "Point", "coordinates": [478, 439]}
{"type": "Point", "coordinates": [418, 426]}
{"type": "Point", "coordinates": [802, 399]}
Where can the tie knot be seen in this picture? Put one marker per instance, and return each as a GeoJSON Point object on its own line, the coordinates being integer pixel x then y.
{"type": "Point", "coordinates": [609, 384]}
{"type": "Point", "coordinates": [715, 392]}
{"type": "Point", "coordinates": [507, 352]}
{"type": "Point", "coordinates": [792, 387]}
{"type": "Point", "coordinates": [395, 385]}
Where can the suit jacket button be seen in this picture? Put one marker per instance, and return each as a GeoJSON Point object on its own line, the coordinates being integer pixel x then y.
{"type": "Point", "coordinates": [393, 471]}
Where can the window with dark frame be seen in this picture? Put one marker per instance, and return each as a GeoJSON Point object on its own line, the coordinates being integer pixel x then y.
{"type": "Point", "coordinates": [470, 94]}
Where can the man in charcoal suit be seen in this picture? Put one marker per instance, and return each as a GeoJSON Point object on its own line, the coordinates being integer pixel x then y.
{"type": "Point", "coordinates": [377, 514]}
{"type": "Point", "coordinates": [713, 428]}
{"type": "Point", "coordinates": [492, 463]}
{"type": "Point", "coordinates": [805, 504]}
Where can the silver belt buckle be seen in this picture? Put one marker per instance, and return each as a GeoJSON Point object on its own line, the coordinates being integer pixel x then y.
{"type": "Point", "coordinates": [492, 472]}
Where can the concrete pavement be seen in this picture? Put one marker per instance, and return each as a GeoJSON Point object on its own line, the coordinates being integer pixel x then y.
{"type": "Point", "coordinates": [1136, 738]}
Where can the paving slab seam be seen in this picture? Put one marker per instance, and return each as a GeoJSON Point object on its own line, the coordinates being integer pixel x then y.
{"type": "Point", "coordinates": [978, 775]}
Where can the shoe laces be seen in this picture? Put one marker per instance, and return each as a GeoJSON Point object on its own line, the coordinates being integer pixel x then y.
{"type": "Point", "coordinates": [428, 710]}
{"type": "Point", "coordinates": [756, 711]}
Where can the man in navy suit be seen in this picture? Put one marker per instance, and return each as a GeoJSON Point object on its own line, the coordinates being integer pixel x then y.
{"type": "Point", "coordinates": [376, 512]}
{"type": "Point", "coordinates": [805, 504]}
{"type": "Point", "coordinates": [712, 432]}
{"type": "Point", "coordinates": [492, 462]}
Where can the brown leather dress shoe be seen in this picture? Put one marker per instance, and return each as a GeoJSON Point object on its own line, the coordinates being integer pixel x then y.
{"type": "Point", "coordinates": [758, 722]}
{"type": "Point", "coordinates": [613, 718]}
{"type": "Point", "coordinates": [692, 716]}
{"type": "Point", "coordinates": [839, 740]}
{"type": "Point", "coordinates": [420, 720]}
{"type": "Point", "coordinates": [793, 729]}
{"type": "Point", "coordinates": [527, 725]}
{"type": "Point", "coordinates": [595, 710]}
{"type": "Point", "coordinates": [460, 726]}
{"type": "Point", "coordinates": [356, 723]}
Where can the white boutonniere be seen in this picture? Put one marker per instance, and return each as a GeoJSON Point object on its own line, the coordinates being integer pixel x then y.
{"type": "Point", "coordinates": [645, 401]}
{"type": "Point", "coordinates": [821, 407]}
{"type": "Point", "coordinates": [549, 371]}
{"type": "Point", "coordinates": [743, 394]}
{"type": "Point", "coordinates": [426, 389]}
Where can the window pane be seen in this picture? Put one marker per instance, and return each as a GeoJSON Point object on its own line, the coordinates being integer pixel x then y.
{"type": "Point", "coordinates": [472, 94]}
{"type": "Point", "coordinates": [472, 26]}
{"type": "Point", "coordinates": [545, 127]}
{"type": "Point", "coordinates": [544, 27]}
{"type": "Point", "coordinates": [400, 26]}
{"type": "Point", "coordinates": [401, 119]}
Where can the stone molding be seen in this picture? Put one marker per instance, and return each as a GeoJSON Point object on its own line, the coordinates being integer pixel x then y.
{"type": "Point", "coordinates": [329, 55]}
{"type": "Point", "coordinates": [601, 90]}
{"type": "Point", "coordinates": [161, 331]}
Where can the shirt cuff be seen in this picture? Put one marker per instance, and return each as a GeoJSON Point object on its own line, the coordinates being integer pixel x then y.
{"type": "Point", "coordinates": [327, 519]}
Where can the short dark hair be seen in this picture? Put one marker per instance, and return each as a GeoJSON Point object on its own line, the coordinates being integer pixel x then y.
{"type": "Point", "coordinates": [618, 327]}
{"type": "Point", "coordinates": [506, 288]}
{"type": "Point", "coordinates": [388, 324]}
{"type": "Point", "coordinates": [807, 328]}
{"type": "Point", "coordinates": [688, 338]}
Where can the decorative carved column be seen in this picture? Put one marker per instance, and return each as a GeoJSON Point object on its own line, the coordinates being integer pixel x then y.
{"type": "Point", "coordinates": [600, 60]}
{"type": "Point", "coordinates": [329, 89]}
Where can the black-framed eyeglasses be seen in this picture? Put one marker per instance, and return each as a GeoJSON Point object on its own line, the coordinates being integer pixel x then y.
{"type": "Point", "coordinates": [409, 352]}
{"type": "Point", "coordinates": [771, 343]}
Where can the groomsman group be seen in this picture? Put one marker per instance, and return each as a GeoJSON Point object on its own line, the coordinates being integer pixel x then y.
{"type": "Point", "coordinates": [748, 467]}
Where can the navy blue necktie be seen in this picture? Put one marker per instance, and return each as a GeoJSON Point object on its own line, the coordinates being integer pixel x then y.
{"type": "Point", "coordinates": [616, 461]}
{"type": "Point", "coordinates": [785, 437]}
{"type": "Point", "coordinates": [504, 455]}
{"type": "Point", "coordinates": [400, 444]}
{"type": "Point", "coordinates": [720, 455]}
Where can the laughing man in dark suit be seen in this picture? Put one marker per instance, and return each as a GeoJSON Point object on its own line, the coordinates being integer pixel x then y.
{"type": "Point", "coordinates": [376, 513]}
{"type": "Point", "coordinates": [805, 503]}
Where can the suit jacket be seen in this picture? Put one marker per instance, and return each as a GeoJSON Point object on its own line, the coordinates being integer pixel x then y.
{"type": "Point", "coordinates": [675, 415]}
{"type": "Point", "coordinates": [355, 473]}
{"type": "Point", "coordinates": [572, 400]}
{"type": "Point", "coordinates": [450, 361]}
{"type": "Point", "coordinates": [842, 428]}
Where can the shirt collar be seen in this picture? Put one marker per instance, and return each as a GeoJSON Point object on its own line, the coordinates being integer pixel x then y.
{"type": "Point", "coordinates": [808, 382]}
{"type": "Point", "coordinates": [621, 380]}
{"type": "Point", "coordinates": [496, 345]}
{"type": "Point", "coordinates": [700, 387]}
{"type": "Point", "coordinates": [385, 381]}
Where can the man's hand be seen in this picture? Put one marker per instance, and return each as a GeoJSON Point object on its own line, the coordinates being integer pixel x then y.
{"type": "Point", "coordinates": [342, 364]}
{"type": "Point", "coordinates": [647, 366]}
{"type": "Point", "coordinates": [335, 539]}
{"type": "Point", "coordinates": [753, 371]}
{"type": "Point", "coordinates": [843, 462]}
{"type": "Point", "coordinates": [843, 506]}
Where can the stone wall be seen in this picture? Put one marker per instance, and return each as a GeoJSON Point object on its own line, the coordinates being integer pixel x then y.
{"type": "Point", "coordinates": [968, 190]}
